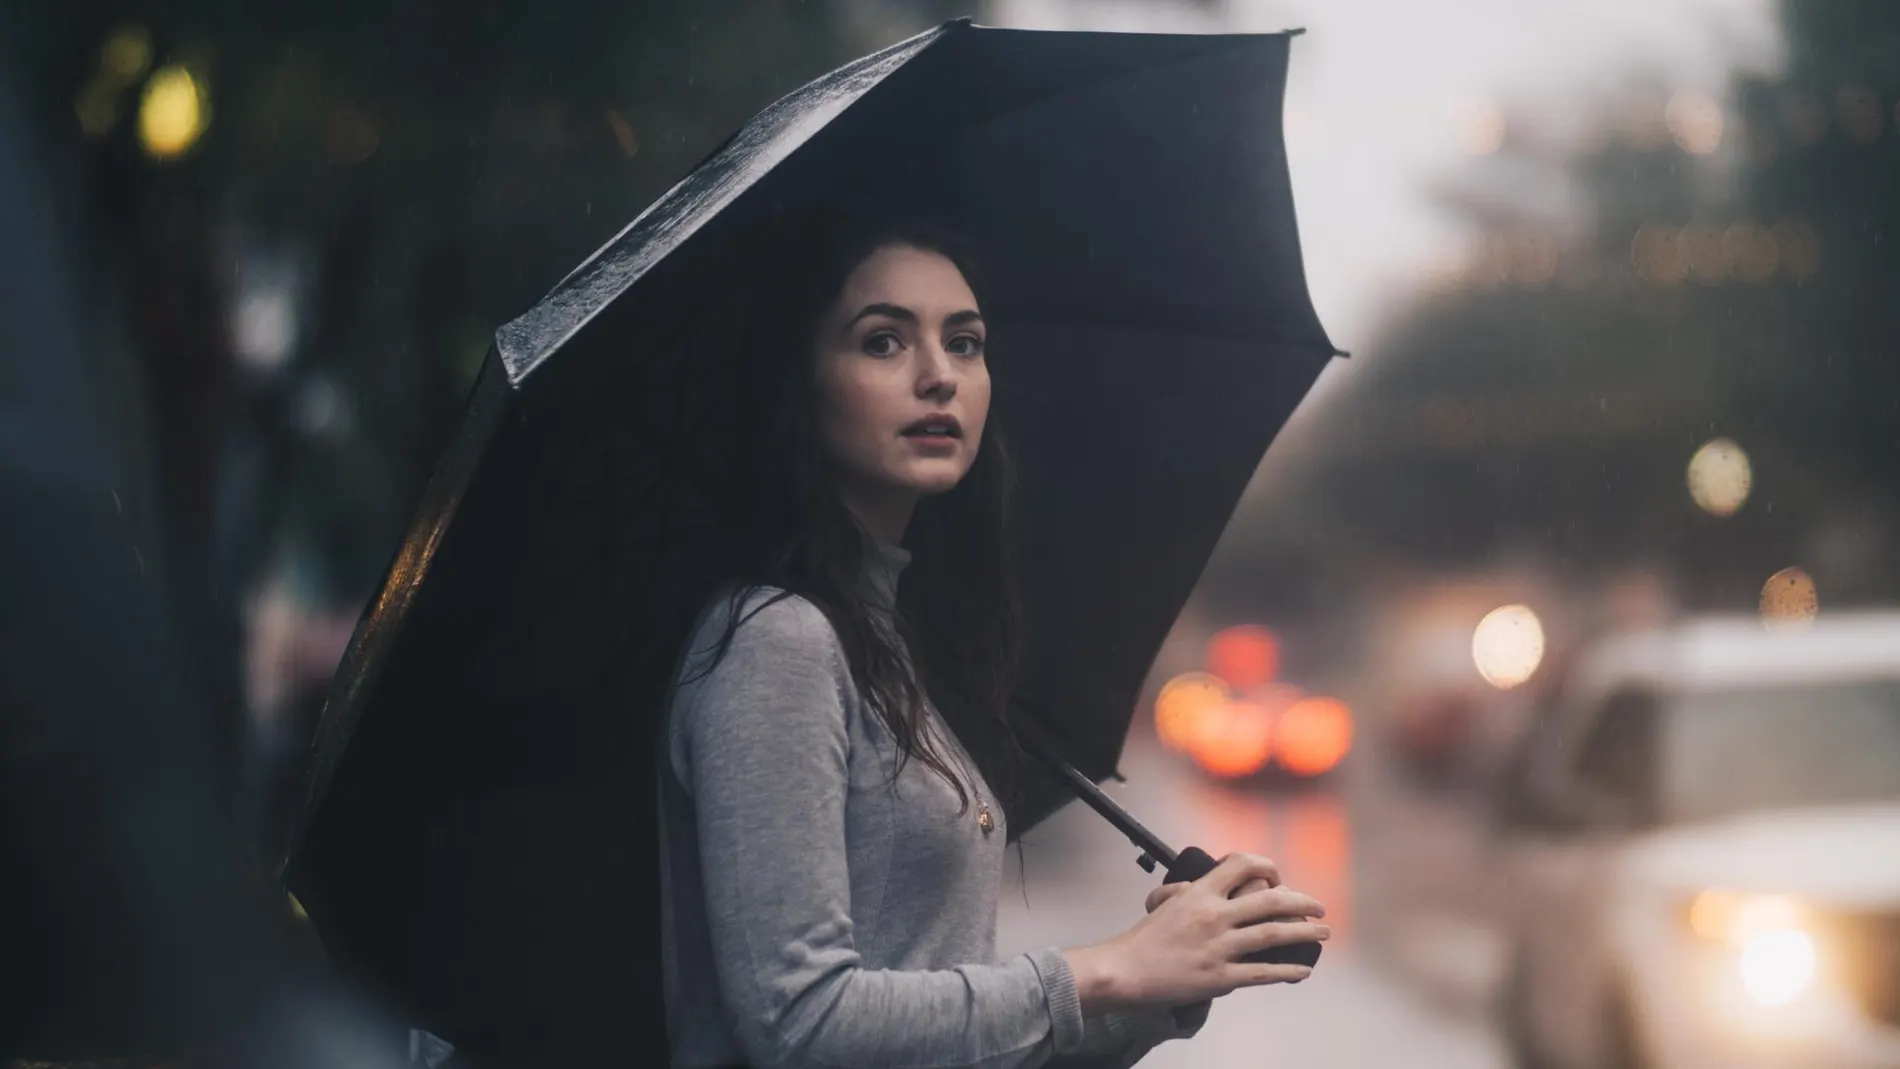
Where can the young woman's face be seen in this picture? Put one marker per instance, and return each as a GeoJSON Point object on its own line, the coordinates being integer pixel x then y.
{"type": "Point", "coordinates": [903, 390]}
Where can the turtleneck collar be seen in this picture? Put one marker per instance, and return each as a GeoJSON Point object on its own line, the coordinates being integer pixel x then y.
{"type": "Point", "coordinates": [884, 565]}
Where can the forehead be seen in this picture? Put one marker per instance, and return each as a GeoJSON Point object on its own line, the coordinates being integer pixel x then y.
{"type": "Point", "coordinates": [913, 277]}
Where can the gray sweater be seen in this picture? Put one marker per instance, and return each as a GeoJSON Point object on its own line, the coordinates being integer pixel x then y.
{"type": "Point", "coordinates": [818, 913]}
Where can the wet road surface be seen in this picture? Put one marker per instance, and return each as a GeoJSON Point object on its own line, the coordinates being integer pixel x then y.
{"type": "Point", "coordinates": [1082, 885]}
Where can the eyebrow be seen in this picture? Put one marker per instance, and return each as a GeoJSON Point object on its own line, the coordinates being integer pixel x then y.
{"type": "Point", "coordinates": [883, 308]}
{"type": "Point", "coordinates": [898, 311]}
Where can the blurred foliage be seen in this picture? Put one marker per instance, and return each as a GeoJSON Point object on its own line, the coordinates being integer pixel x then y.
{"type": "Point", "coordinates": [437, 165]}
{"type": "Point", "coordinates": [1541, 401]}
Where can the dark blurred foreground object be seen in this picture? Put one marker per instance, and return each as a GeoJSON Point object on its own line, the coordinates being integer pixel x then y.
{"type": "Point", "coordinates": [482, 838]}
{"type": "Point", "coordinates": [131, 928]}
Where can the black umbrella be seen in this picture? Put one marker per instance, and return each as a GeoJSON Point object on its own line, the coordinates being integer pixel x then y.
{"type": "Point", "coordinates": [1128, 196]}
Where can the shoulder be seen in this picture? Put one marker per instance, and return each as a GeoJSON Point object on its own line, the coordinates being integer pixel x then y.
{"type": "Point", "coordinates": [782, 673]}
{"type": "Point", "coordinates": [772, 624]}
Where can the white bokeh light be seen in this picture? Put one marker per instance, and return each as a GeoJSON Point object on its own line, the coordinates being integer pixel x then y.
{"type": "Point", "coordinates": [1508, 646]}
{"type": "Point", "coordinates": [1720, 477]}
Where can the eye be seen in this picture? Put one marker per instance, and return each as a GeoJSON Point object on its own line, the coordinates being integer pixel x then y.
{"type": "Point", "coordinates": [966, 345]}
{"type": "Point", "coordinates": [882, 343]}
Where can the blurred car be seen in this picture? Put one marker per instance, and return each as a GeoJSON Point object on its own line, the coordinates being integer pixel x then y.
{"type": "Point", "coordinates": [1432, 735]}
{"type": "Point", "coordinates": [1701, 843]}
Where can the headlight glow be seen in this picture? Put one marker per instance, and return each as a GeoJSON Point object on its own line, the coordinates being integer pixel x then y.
{"type": "Point", "coordinates": [1769, 939]}
{"type": "Point", "coordinates": [1777, 966]}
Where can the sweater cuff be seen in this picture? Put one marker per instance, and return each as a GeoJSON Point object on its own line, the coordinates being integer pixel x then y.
{"type": "Point", "coordinates": [1065, 1004]}
{"type": "Point", "coordinates": [1187, 1020]}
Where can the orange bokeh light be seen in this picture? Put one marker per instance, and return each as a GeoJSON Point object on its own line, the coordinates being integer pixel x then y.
{"type": "Point", "coordinates": [1184, 705]}
{"type": "Point", "coordinates": [1245, 656]}
{"type": "Point", "coordinates": [1235, 740]}
{"type": "Point", "coordinates": [1275, 697]}
{"type": "Point", "coordinates": [1313, 736]}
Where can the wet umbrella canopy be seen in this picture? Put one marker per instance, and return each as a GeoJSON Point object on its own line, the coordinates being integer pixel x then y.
{"type": "Point", "coordinates": [481, 837]}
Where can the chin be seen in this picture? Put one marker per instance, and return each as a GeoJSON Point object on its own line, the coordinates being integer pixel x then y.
{"type": "Point", "coordinates": [933, 479]}
{"type": "Point", "coordinates": [936, 487]}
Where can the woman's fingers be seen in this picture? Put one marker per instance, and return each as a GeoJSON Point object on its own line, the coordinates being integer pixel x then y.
{"type": "Point", "coordinates": [1237, 869]}
{"type": "Point", "coordinates": [1260, 975]}
{"type": "Point", "coordinates": [1269, 934]}
{"type": "Point", "coordinates": [1276, 902]}
{"type": "Point", "coordinates": [1164, 893]}
{"type": "Point", "coordinates": [1255, 884]}
{"type": "Point", "coordinates": [1194, 949]}
{"type": "Point", "coordinates": [1169, 891]}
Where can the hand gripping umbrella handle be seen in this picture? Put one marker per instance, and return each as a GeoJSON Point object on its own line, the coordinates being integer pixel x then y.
{"type": "Point", "coordinates": [1183, 867]}
{"type": "Point", "coordinates": [1193, 863]}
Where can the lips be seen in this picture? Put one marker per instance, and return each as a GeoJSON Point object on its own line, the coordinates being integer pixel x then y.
{"type": "Point", "coordinates": [936, 425]}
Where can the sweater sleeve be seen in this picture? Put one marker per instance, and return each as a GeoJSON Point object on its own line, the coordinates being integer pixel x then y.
{"type": "Point", "coordinates": [763, 748]}
{"type": "Point", "coordinates": [1120, 1039]}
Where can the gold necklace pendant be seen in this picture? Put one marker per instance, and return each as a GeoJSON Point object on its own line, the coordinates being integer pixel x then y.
{"type": "Point", "coordinates": [983, 818]}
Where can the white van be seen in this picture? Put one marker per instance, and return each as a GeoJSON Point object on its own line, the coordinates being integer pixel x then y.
{"type": "Point", "coordinates": [1701, 839]}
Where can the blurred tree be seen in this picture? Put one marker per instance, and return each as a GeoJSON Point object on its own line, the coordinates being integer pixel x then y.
{"type": "Point", "coordinates": [1824, 146]}
{"type": "Point", "coordinates": [1543, 402]}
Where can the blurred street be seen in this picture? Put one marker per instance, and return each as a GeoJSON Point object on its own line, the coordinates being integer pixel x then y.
{"type": "Point", "coordinates": [1083, 885]}
{"type": "Point", "coordinates": [1554, 644]}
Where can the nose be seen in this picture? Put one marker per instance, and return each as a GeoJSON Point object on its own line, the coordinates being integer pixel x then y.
{"type": "Point", "coordinates": [936, 373]}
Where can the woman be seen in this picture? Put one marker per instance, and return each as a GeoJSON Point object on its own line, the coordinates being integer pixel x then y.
{"type": "Point", "coordinates": [832, 850]}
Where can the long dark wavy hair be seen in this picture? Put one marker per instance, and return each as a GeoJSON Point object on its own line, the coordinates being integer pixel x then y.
{"type": "Point", "coordinates": [958, 633]}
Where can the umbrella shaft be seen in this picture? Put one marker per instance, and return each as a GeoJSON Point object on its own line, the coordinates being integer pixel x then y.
{"type": "Point", "coordinates": [1085, 789]}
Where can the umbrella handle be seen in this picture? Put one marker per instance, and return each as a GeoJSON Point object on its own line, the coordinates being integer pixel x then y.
{"type": "Point", "coordinates": [1192, 864]}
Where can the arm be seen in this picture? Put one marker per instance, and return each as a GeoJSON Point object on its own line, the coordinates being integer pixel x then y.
{"type": "Point", "coordinates": [1121, 1038]}
{"type": "Point", "coordinates": [765, 753]}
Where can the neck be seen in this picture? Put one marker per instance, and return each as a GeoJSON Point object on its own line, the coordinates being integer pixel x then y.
{"type": "Point", "coordinates": [883, 512]}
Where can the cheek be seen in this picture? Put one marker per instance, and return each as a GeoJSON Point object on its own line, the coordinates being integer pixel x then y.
{"type": "Point", "coordinates": [977, 401]}
{"type": "Point", "coordinates": [862, 408]}
{"type": "Point", "coordinates": [854, 409]}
